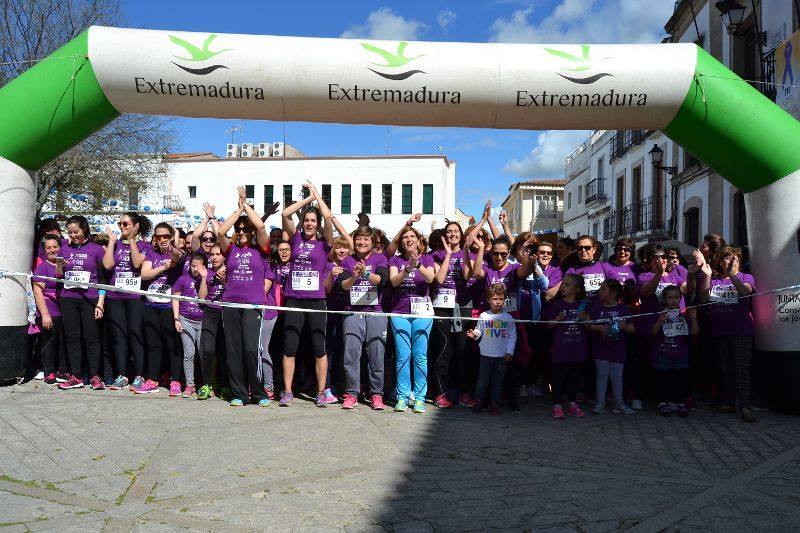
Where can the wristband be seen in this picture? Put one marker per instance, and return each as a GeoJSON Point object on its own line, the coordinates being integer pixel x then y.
{"type": "Point", "coordinates": [101, 292]}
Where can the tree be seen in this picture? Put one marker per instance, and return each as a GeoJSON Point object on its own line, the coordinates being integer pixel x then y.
{"type": "Point", "coordinates": [116, 160]}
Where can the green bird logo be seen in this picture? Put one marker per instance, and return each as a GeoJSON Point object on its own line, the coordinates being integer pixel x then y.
{"type": "Point", "coordinates": [198, 54]}
{"type": "Point", "coordinates": [577, 63]}
{"type": "Point", "coordinates": [393, 60]}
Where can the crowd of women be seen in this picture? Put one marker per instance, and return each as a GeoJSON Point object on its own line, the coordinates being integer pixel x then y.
{"type": "Point", "coordinates": [453, 318]}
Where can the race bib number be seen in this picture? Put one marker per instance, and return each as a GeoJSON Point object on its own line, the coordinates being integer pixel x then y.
{"type": "Point", "coordinates": [510, 305]}
{"type": "Point", "coordinates": [445, 298]}
{"type": "Point", "coordinates": [73, 277]}
{"type": "Point", "coordinates": [675, 328]}
{"type": "Point", "coordinates": [305, 280]}
{"type": "Point", "coordinates": [128, 280]}
{"type": "Point", "coordinates": [592, 282]}
{"type": "Point", "coordinates": [364, 295]}
{"type": "Point", "coordinates": [421, 306]}
{"type": "Point", "coordinates": [724, 294]}
{"type": "Point", "coordinates": [159, 288]}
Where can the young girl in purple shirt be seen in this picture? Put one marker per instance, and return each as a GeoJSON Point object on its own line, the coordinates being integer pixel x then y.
{"type": "Point", "coordinates": [188, 315]}
{"type": "Point", "coordinates": [569, 344]}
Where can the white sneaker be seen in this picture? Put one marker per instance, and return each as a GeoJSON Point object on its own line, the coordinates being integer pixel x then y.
{"type": "Point", "coordinates": [637, 404]}
{"type": "Point", "coordinates": [39, 376]}
{"type": "Point", "coordinates": [535, 392]}
{"type": "Point", "coordinates": [622, 409]}
{"type": "Point", "coordinates": [523, 391]}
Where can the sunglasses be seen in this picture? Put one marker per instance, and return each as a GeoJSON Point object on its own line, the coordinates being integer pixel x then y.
{"type": "Point", "coordinates": [545, 252]}
{"type": "Point", "coordinates": [124, 224]}
{"type": "Point", "coordinates": [241, 229]}
{"type": "Point", "coordinates": [206, 239]}
{"type": "Point", "coordinates": [164, 237]}
{"type": "Point", "coordinates": [673, 257]}
{"type": "Point", "coordinates": [622, 249]}
{"type": "Point", "coordinates": [500, 254]}
{"type": "Point", "coordinates": [584, 248]}
{"type": "Point", "coordinates": [659, 256]}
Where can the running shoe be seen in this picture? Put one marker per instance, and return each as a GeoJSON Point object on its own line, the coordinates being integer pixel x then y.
{"type": "Point", "coordinates": [349, 402]}
{"type": "Point", "coordinates": [189, 391]}
{"type": "Point", "coordinates": [96, 383]}
{"type": "Point", "coordinates": [174, 388]}
{"type": "Point", "coordinates": [466, 401]}
{"type": "Point", "coordinates": [320, 400]}
{"type": "Point", "coordinates": [419, 407]}
{"type": "Point", "coordinates": [535, 392]}
{"type": "Point", "coordinates": [637, 404]}
{"type": "Point", "coordinates": [574, 410]}
{"type": "Point", "coordinates": [236, 402]}
{"type": "Point", "coordinates": [622, 409]}
{"type": "Point", "coordinates": [377, 402]}
{"type": "Point", "coordinates": [664, 410]}
{"type": "Point", "coordinates": [557, 412]}
{"type": "Point", "coordinates": [62, 377]}
{"type": "Point", "coordinates": [330, 397]}
{"type": "Point", "coordinates": [286, 399]}
{"type": "Point", "coordinates": [494, 409]}
{"type": "Point", "coordinates": [442, 402]}
{"type": "Point", "coordinates": [270, 393]}
{"type": "Point", "coordinates": [401, 406]}
{"type": "Point", "coordinates": [147, 387]}
{"type": "Point", "coordinates": [264, 402]}
{"type": "Point", "coordinates": [683, 411]}
{"type": "Point", "coordinates": [205, 392]}
{"type": "Point", "coordinates": [599, 408]}
{"type": "Point", "coordinates": [225, 394]}
{"type": "Point", "coordinates": [747, 414]}
{"type": "Point", "coordinates": [39, 376]}
{"type": "Point", "coordinates": [50, 378]}
{"type": "Point", "coordinates": [120, 383]}
{"type": "Point", "coordinates": [71, 383]}
{"type": "Point", "coordinates": [137, 382]}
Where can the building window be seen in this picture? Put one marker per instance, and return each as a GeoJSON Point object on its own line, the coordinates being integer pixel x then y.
{"type": "Point", "coordinates": [269, 197]}
{"type": "Point", "coordinates": [326, 195]}
{"type": "Point", "coordinates": [427, 199]}
{"type": "Point", "coordinates": [569, 200]}
{"type": "Point", "coordinates": [689, 160]}
{"type": "Point", "coordinates": [545, 206]}
{"type": "Point", "coordinates": [386, 199]}
{"type": "Point", "coordinates": [366, 199]}
{"type": "Point", "coordinates": [345, 199]}
{"type": "Point", "coordinates": [600, 168]}
{"type": "Point", "coordinates": [192, 191]}
{"type": "Point", "coordinates": [287, 196]}
{"type": "Point", "coordinates": [250, 191]}
{"type": "Point", "coordinates": [691, 227]}
{"type": "Point", "coordinates": [305, 192]}
{"type": "Point", "coordinates": [580, 194]}
{"type": "Point", "coordinates": [407, 198]}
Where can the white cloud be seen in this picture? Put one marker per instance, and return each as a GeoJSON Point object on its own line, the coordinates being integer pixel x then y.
{"type": "Point", "coordinates": [445, 18]}
{"type": "Point", "coordinates": [587, 21]}
{"type": "Point", "coordinates": [383, 23]}
{"type": "Point", "coordinates": [546, 160]}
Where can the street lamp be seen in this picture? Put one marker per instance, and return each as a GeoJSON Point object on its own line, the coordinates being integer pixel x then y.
{"type": "Point", "coordinates": [732, 12]}
{"type": "Point", "coordinates": [657, 156]}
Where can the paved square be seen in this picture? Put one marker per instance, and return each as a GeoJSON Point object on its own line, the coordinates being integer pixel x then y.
{"type": "Point", "coordinates": [82, 460]}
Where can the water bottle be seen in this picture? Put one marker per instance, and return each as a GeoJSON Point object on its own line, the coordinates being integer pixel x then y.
{"type": "Point", "coordinates": [614, 330]}
{"type": "Point", "coordinates": [581, 309]}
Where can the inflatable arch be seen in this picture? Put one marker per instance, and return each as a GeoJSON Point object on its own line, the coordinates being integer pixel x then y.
{"type": "Point", "coordinates": [677, 88]}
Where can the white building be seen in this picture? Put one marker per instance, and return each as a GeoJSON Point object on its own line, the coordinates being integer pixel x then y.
{"type": "Point", "coordinates": [535, 205]}
{"type": "Point", "coordinates": [617, 191]}
{"type": "Point", "coordinates": [387, 188]}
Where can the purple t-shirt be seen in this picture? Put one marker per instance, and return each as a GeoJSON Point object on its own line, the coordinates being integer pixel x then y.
{"type": "Point", "coordinates": [672, 340]}
{"type": "Point", "coordinates": [730, 315]}
{"type": "Point", "coordinates": [123, 274]}
{"type": "Point", "coordinates": [603, 346]}
{"type": "Point", "coordinates": [308, 264]}
{"type": "Point", "coordinates": [625, 274]}
{"type": "Point", "coordinates": [507, 276]}
{"type": "Point", "coordinates": [271, 296]}
{"type": "Point", "coordinates": [51, 289]}
{"type": "Point", "coordinates": [454, 280]}
{"type": "Point", "coordinates": [161, 286]}
{"type": "Point", "coordinates": [554, 277]}
{"type": "Point", "coordinates": [187, 286]}
{"type": "Point", "coordinates": [363, 292]}
{"type": "Point", "coordinates": [654, 302]}
{"type": "Point", "coordinates": [569, 339]}
{"type": "Point", "coordinates": [215, 288]}
{"type": "Point", "coordinates": [413, 286]}
{"type": "Point", "coordinates": [593, 275]}
{"type": "Point", "coordinates": [246, 271]}
{"type": "Point", "coordinates": [83, 263]}
{"type": "Point", "coordinates": [336, 299]}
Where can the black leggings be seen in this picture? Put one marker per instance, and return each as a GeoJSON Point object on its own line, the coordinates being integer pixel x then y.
{"type": "Point", "coordinates": [50, 345]}
{"type": "Point", "coordinates": [80, 330]}
{"type": "Point", "coordinates": [566, 378]}
{"type": "Point", "coordinates": [124, 334]}
{"type": "Point", "coordinates": [212, 341]}
{"type": "Point", "coordinates": [161, 339]}
{"type": "Point", "coordinates": [295, 321]}
{"type": "Point", "coordinates": [242, 338]}
{"type": "Point", "coordinates": [445, 343]}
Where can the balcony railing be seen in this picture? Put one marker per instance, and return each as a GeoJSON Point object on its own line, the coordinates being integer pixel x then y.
{"type": "Point", "coordinates": [595, 190]}
{"type": "Point", "coordinates": [609, 226]}
{"type": "Point", "coordinates": [579, 160]}
{"type": "Point", "coordinates": [624, 140]}
{"type": "Point", "coordinates": [173, 203]}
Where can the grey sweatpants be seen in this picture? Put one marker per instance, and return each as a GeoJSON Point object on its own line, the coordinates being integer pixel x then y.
{"type": "Point", "coordinates": [190, 338]}
{"type": "Point", "coordinates": [264, 357]}
{"type": "Point", "coordinates": [364, 331]}
{"type": "Point", "coordinates": [606, 369]}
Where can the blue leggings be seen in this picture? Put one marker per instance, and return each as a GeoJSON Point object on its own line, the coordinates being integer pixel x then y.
{"type": "Point", "coordinates": [411, 344]}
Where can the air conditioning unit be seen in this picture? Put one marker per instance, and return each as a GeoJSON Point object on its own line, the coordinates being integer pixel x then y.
{"type": "Point", "coordinates": [248, 150]}
{"type": "Point", "coordinates": [278, 150]}
{"type": "Point", "coordinates": [263, 149]}
{"type": "Point", "coordinates": [232, 150]}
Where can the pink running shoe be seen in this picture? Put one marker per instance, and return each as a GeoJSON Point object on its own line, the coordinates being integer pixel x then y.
{"type": "Point", "coordinates": [558, 412]}
{"type": "Point", "coordinates": [377, 402]}
{"type": "Point", "coordinates": [270, 393]}
{"type": "Point", "coordinates": [349, 402]}
{"type": "Point", "coordinates": [466, 401]}
{"type": "Point", "coordinates": [442, 402]}
{"type": "Point", "coordinates": [96, 383]}
{"type": "Point", "coordinates": [189, 391]}
{"type": "Point", "coordinates": [146, 387]}
{"type": "Point", "coordinates": [330, 397]}
{"type": "Point", "coordinates": [574, 410]}
{"type": "Point", "coordinates": [71, 383]}
{"type": "Point", "coordinates": [174, 388]}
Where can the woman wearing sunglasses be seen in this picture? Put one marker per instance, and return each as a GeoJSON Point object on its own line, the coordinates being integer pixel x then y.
{"type": "Point", "coordinates": [587, 266]}
{"type": "Point", "coordinates": [652, 283]}
{"type": "Point", "coordinates": [202, 237]}
{"type": "Point", "coordinates": [124, 258]}
{"type": "Point", "coordinates": [623, 268]}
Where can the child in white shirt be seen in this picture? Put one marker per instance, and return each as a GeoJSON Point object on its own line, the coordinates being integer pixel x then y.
{"type": "Point", "coordinates": [497, 335]}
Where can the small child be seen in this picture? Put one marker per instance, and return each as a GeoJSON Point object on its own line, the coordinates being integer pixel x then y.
{"type": "Point", "coordinates": [608, 344]}
{"type": "Point", "coordinates": [670, 355]}
{"type": "Point", "coordinates": [498, 337]}
{"type": "Point", "coordinates": [569, 344]}
{"type": "Point", "coordinates": [189, 317]}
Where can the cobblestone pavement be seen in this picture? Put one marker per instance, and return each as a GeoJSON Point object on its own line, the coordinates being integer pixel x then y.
{"type": "Point", "coordinates": [88, 461]}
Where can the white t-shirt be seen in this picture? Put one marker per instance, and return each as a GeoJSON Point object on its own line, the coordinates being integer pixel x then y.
{"type": "Point", "coordinates": [497, 334]}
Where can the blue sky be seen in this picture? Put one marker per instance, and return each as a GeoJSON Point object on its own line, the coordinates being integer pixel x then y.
{"type": "Point", "coordinates": [482, 156]}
